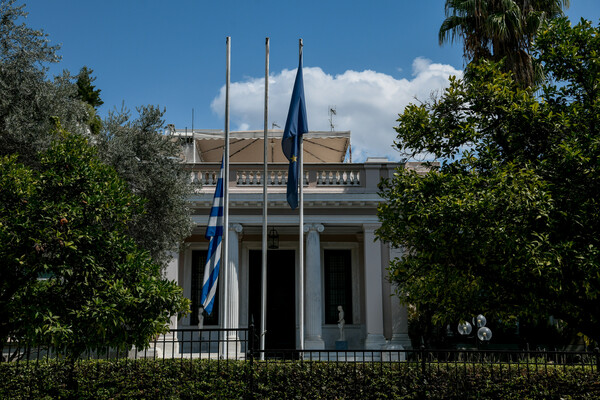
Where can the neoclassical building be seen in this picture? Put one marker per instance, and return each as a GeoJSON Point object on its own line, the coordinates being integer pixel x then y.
{"type": "Point", "coordinates": [344, 264]}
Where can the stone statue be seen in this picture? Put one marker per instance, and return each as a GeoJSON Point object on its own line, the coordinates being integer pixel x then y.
{"type": "Point", "coordinates": [341, 323]}
{"type": "Point", "coordinates": [200, 317]}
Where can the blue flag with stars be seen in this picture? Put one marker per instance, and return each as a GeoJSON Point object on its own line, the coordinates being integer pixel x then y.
{"type": "Point", "coordinates": [295, 126]}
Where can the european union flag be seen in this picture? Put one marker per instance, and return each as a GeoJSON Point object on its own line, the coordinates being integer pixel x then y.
{"type": "Point", "coordinates": [295, 126]}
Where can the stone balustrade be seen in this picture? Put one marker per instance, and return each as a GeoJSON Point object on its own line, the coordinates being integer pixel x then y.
{"type": "Point", "coordinates": [355, 177]}
{"type": "Point", "coordinates": [315, 175]}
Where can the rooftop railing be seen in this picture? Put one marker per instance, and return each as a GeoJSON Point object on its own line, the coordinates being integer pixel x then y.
{"type": "Point", "coordinates": [351, 177]}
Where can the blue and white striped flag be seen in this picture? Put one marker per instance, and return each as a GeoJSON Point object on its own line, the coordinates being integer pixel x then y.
{"type": "Point", "coordinates": [214, 232]}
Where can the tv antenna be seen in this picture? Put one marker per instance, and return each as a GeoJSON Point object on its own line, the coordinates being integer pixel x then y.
{"type": "Point", "coordinates": [332, 111]}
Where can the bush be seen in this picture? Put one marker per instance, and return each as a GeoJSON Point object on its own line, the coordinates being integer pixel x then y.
{"type": "Point", "coordinates": [209, 379]}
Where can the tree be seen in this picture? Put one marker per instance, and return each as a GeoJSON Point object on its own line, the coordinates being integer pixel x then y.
{"type": "Point", "coordinates": [509, 225]}
{"type": "Point", "coordinates": [499, 30]}
{"type": "Point", "coordinates": [85, 90]}
{"type": "Point", "coordinates": [28, 101]}
{"type": "Point", "coordinates": [70, 274]}
{"type": "Point", "coordinates": [150, 163]}
{"type": "Point", "coordinates": [88, 93]}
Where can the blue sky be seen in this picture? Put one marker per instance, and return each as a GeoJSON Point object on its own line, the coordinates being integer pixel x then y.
{"type": "Point", "coordinates": [369, 59]}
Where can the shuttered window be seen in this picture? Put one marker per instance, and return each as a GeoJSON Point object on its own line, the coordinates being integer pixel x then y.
{"type": "Point", "coordinates": [338, 285]}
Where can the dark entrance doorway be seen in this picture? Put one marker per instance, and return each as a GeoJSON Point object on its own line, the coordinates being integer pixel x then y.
{"type": "Point", "coordinates": [281, 297]}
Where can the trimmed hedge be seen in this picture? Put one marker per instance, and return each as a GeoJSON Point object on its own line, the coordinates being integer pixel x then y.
{"type": "Point", "coordinates": [210, 379]}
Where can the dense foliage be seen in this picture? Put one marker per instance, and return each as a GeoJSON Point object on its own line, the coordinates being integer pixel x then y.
{"type": "Point", "coordinates": [210, 379]}
{"type": "Point", "coordinates": [509, 225]}
{"type": "Point", "coordinates": [70, 274]}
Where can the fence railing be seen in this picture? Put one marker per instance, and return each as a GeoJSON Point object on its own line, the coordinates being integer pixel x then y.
{"type": "Point", "coordinates": [230, 344]}
{"type": "Point", "coordinates": [428, 359]}
{"type": "Point", "coordinates": [242, 345]}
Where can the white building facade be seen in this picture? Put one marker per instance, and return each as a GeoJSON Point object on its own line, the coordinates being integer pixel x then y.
{"type": "Point", "coordinates": [344, 264]}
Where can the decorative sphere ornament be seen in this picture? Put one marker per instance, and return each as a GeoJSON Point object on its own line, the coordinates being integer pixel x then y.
{"type": "Point", "coordinates": [484, 334]}
{"type": "Point", "coordinates": [464, 328]}
{"type": "Point", "coordinates": [479, 321]}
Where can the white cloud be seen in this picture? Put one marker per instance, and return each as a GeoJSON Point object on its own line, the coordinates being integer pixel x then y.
{"type": "Point", "coordinates": [367, 102]}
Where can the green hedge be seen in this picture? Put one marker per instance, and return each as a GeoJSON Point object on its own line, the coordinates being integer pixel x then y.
{"type": "Point", "coordinates": [203, 379]}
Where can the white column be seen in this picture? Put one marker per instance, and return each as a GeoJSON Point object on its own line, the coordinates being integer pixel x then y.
{"type": "Point", "coordinates": [399, 323]}
{"type": "Point", "coordinates": [313, 303]}
{"type": "Point", "coordinates": [400, 338]}
{"type": "Point", "coordinates": [231, 316]}
{"type": "Point", "coordinates": [373, 289]}
{"type": "Point", "coordinates": [171, 345]}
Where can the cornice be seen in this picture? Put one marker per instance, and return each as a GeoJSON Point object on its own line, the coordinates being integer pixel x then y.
{"type": "Point", "coordinates": [278, 201]}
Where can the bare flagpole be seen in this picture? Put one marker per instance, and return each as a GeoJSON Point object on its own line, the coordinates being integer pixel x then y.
{"type": "Point", "coordinates": [226, 307]}
{"type": "Point", "coordinates": [263, 303]}
{"type": "Point", "coordinates": [301, 231]}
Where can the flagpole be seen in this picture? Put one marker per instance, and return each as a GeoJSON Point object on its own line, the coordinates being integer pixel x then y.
{"type": "Point", "coordinates": [263, 304]}
{"type": "Point", "coordinates": [226, 194]}
{"type": "Point", "coordinates": [301, 231]}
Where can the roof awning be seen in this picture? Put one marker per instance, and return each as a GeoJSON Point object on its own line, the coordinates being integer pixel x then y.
{"type": "Point", "coordinates": [248, 146]}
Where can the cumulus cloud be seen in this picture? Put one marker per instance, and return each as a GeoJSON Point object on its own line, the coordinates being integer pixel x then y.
{"type": "Point", "coordinates": [367, 102]}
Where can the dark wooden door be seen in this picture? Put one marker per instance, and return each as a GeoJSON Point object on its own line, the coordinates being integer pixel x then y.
{"type": "Point", "coordinates": [281, 297]}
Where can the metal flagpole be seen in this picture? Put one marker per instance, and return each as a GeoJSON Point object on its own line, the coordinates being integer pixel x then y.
{"type": "Point", "coordinates": [263, 302]}
{"type": "Point", "coordinates": [193, 139]}
{"type": "Point", "coordinates": [226, 307]}
{"type": "Point", "coordinates": [301, 231]}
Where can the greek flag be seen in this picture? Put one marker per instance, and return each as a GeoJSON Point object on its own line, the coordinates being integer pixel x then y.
{"type": "Point", "coordinates": [214, 232]}
{"type": "Point", "coordinates": [295, 125]}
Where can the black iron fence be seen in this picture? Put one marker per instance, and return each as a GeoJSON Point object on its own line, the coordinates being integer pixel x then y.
{"type": "Point", "coordinates": [242, 345]}
{"type": "Point", "coordinates": [227, 363]}
{"type": "Point", "coordinates": [497, 361]}
{"type": "Point", "coordinates": [229, 344]}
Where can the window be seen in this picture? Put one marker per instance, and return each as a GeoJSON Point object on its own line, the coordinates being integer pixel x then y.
{"type": "Point", "coordinates": [338, 285]}
{"type": "Point", "coordinates": [198, 263]}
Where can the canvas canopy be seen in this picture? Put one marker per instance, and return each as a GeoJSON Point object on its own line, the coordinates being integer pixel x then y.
{"type": "Point", "coordinates": [247, 146]}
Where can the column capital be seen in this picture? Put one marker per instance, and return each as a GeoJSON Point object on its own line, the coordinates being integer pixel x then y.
{"type": "Point", "coordinates": [370, 228]}
{"type": "Point", "coordinates": [314, 227]}
{"type": "Point", "coordinates": [238, 228]}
